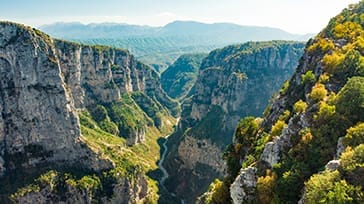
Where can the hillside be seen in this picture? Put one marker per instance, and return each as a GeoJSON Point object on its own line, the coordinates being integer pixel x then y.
{"type": "Point", "coordinates": [308, 147]}
{"type": "Point", "coordinates": [233, 81]}
{"type": "Point", "coordinates": [160, 46]}
{"type": "Point", "coordinates": [79, 124]}
{"type": "Point", "coordinates": [178, 79]}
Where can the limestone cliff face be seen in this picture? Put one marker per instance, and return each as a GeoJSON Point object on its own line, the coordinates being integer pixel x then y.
{"type": "Point", "coordinates": [43, 84]}
{"type": "Point", "coordinates": [99, 75]}
{"type": "Point", "coordinates": [38, 120]}
{"type": "Point", "coordinates": [234, 81]}
{"type": "Point", "coordinates": [125, 191]}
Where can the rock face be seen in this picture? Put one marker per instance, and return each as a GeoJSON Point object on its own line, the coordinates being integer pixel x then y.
{"type": "Point", "coordinates": [100, 75]}
{"type": "Point", "coordinates": [44, 83]}
{"type": "Point", "coordinates": [234, 81]}
{"type": "Point", "coordinates": [242, 190]}
{"type": "Point", "coordinates": [38, 113]}
{"type": "Point", "coordinates": [125, 191]}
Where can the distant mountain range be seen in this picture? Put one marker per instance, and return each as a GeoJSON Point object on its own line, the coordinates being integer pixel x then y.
{"type": "Point", "coordinates": [160, 46]}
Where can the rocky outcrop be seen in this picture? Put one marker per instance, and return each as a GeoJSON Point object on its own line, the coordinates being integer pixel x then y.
{"type": "Point", "coordinates": [242, 190]}
{"type": "Point", "coordinates": [125, 191]}
{"type": "Point", "coordinates": [273, 150]}
{"type": "Point", "coordinates": [233, 82]}
{"type": "Point", "coordinates": [99, 75]}
{"type": "Point", "coordinates": [39, 123]}
{"type": "Point", "coordinates": [44, 84]}
{"type": "Point", "coordinates": [194, 151]}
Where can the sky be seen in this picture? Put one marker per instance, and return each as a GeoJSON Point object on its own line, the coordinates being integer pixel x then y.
{"type": "Point", "coordinates": [295, 16]}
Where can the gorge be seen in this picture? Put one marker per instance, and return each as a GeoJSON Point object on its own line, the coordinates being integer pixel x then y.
{"type": "Point", "coordinates": [255, 122]}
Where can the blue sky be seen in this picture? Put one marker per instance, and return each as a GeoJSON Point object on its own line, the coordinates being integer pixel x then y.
{"type": "Point", "coordinates": [296, 16]}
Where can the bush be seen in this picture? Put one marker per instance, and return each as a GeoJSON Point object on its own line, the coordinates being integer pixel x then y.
{"type": "Point", "coordinates": [265, 185]}
{"type": "Point", "coordinates": [350, 100]}
{"type": "Point", "coordinates": [278, 127]}
{"type": "Point", "coordinates": [353, 158]}
{"type": "Point", "coordinates": [300, 106]}
{"type": "Point", "coordinates": [110, 127]}
{"type": "Point", "coordinates": [355, 135]}
{"type": "Point", "coordinates": [98, 113]}
{"type": "Point", "coordinates": [332, 61]}
{"type": "Point", "coordinates": [318, 92]}
{"type": "Point", "coordinates": [220, 193]}
{"type": "Point", "coordinates": [308, 77]}
{"type": "Point", "coordinates": [327, 187]}
{"type": "Point", "coordinates": [326, 111]}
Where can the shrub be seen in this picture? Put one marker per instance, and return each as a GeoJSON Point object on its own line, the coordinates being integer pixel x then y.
{"type": "Point", "coordinates": [318, 92]}
{"type": "Point", "coordinates": [353, 158]}
{"type": "Point", "coordinates": [355, 135]}
{"type": "Point", "coordinates": [309, 77]}
{"type": "Point", "coordinates": [278, 127]}
{"type": "Point", "coordinates": [332, 61]}
{"type": "Point", "coordinates": [325, 112]}
{"type": "Point", "coordinates": [350, 99]}
{"type": "Point", "coordinates": [219, 193]}
{"type": "Point", "coordinates": [321, 44]}
{"type": "Point", "coordinates": [300, 106]}
{"type": "Point", "coordinates": [265, 185]}
{"type": "Point", "coordinates": [327, 187]}
{"type": "Point", "coordinates": [98, 113]}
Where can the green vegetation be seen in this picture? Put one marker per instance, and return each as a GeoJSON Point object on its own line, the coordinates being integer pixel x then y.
{"type": "Point", "coordinates": [265, 186]}
{"type": "Point", "coordinates": [100, 126]}
{"type": "Point", "coordinates": [309, 77]}
{"type": "Point", "coordinates": [179, 78]}
{"type": "Point", "coordinates": [217, 193]}
{"type": "Point", "coordinates": [335, 108]}
{"type": "Point", "coordinates": [329, 188]}
{"type": "Point", "coordinates": [355, 135]}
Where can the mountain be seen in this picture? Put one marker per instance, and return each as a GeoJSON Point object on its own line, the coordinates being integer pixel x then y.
{"type": "Point", "coordinates": [160, 46]}
{"type": "Point", "coordinates": [308, 148]}
{"type": "Point", "coordinates": [234, 81]}
{"type": "Point", "coordinates": [78, 124]}
{"type": "Point", "coordinates": [178, 79]}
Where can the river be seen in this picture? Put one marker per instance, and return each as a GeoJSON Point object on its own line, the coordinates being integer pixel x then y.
{"type": "Point", "coordinates": [160, 163]}
{"type": "Point", "coordinates": [161, 167]}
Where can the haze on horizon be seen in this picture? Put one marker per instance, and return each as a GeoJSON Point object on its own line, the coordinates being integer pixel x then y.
{"type": "Point", "coordinates": [295, 16]}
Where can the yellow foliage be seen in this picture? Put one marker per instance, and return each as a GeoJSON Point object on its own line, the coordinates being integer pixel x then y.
{"type": "Point", "coordinates": [278, 127]}
{"type": "Point", "coordinates": [321, 44]}
{"type": "Point", "coordinates": [348, 30]}
{"type": "Point", "coordinates": [318, 92]}
{"type": "Point", "coordinates": [332, 61]}
{"type": "Point", "coordinates": [324, 78]}
{"type": "Point", "coordinates": [325, 111]}
{"type": "Point", "coordinates": [285, 115]}
{"type": "Point", "coordinates": [265, 185]}
{"type": "Point", "coordinates": [300, 106]}
{"type": "Point", "coordinates": [306, 138]}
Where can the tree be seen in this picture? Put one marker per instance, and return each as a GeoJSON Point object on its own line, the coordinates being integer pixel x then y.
{"type": "Point", "coordinates": [350, 99]}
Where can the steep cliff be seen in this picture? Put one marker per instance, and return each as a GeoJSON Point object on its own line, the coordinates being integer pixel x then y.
{"type": "Point", "coordinates": [102, 75]}
{"type": "Point", "coordinates": [70, 115]}
{"type": "Point", "coordinates": [233, 81]}
{"type": "Point", "coordinates": [317, 117]}
{"type": "Point", "coordinates": [180, 77]}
